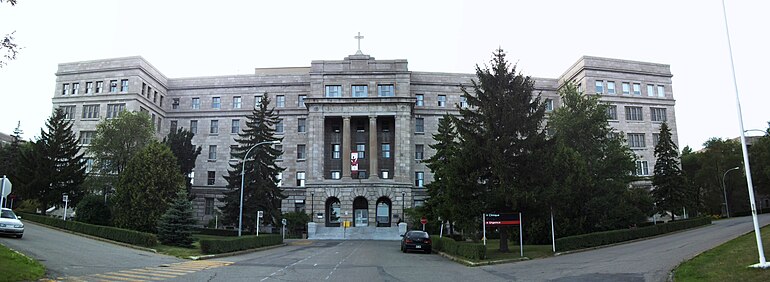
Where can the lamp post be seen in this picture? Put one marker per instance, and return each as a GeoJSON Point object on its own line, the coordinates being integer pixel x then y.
{"type": "Point", "coordinates": [312, 202]}
{"type": "Point", "coordinates": [243, 170]}
{"type": "Point", "coordinates": [403, 206]}
{"type": "Point", "coordinates": [724, 189]}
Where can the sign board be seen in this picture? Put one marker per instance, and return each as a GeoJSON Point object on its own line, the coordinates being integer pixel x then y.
{"type": "Point", "coordinates": [346, 223]}
{"type": "Point", "coordinates": [65, 198]}
{"type": "Point", "coordinates": [354, 161]}
{"type": "Point", "coordinates": [424, 220]}
{"type": "Point", "coordinates": [283, 221]}
{"type": "Point", "coordinates": [6, 184]}
{"type": "Point", "coordinates": [259, 214]}
{"type": "Point", "coordinates": [502, 219]}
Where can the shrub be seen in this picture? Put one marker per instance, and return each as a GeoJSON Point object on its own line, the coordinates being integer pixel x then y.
{"type": "Point", "coordinates": [614, 236]}
{"type": "Point", "coordinates": [93, 210]}
{"type": "Point", "coordinates": [216, 232]}
{"type": "Point", "coordinates": [112, 233]}
{"type": "Point", "coordinates": [176, 225]}
{"type": "Point", "coordinates": [213, 246]}
{"type": "Point", "coordinates": [475, 251]}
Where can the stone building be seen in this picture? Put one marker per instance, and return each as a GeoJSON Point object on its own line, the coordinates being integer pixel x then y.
{"type": "Point", "coordinates": [375, 111]}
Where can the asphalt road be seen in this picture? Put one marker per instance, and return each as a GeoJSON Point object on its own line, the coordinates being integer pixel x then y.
{"type": "Point", "coordinates": [648, 260]}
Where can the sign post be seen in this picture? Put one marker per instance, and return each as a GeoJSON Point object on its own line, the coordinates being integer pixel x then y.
{"type": "Point", "coordinates": [504, 219]}
{"type": "Point", "coordinates": [66, 200]}
{"type": "Point", "coordinates": [283, 228]}
{"type": "Point", "coordinates": [424, 221]}
{"type": "Point", "coordinates": [259, 215]}
{"type": "Point", "coordinates": [484, 227]}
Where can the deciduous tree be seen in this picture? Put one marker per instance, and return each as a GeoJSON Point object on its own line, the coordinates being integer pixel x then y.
{"type": "Point", "coordinates": [118, 139]}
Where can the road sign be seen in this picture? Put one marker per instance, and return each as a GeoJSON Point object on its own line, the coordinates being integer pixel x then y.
{"type": "Point", "coordinates": [502, 219]}
{"type": "Point", "coordinates": [424, 220]}
{"type": "Point", "coordinates": [283, 221]}
{"type": "Point", "coordinates": [259, 214]}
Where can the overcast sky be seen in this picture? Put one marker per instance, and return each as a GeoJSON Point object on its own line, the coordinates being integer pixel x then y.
{"type": "Point", "coordinates": [203, 38]}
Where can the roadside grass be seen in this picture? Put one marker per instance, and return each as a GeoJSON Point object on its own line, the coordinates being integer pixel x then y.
{"type": "Point", "coordinates": [17, 267]}
{"type": "Point", "coordinates": [727, 262]}
{"type": "Point", "coordinates": [514, 253]}
{"type": "Point", "coordinates": [195, 251]}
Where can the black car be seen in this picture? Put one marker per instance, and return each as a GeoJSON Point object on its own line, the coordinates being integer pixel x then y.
{"type": "Point", "coordinates": [416, 240]}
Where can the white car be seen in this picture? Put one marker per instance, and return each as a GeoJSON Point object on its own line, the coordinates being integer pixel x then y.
{"type": "Point", "coordinates": [10, 223]}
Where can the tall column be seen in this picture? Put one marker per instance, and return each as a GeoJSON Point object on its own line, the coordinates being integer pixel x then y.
{"type": "Point", "coordinates": [402, 150]}
{"type": "Point", "coordinates": [346, 147]}
{"type": "Point", "coordinates": [373, 156]}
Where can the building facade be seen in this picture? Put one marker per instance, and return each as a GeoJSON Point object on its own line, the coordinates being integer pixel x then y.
{"type": "Point", "coordinates": [375, 113]}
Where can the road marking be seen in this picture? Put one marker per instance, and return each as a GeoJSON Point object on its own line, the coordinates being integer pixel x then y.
{"type": "Point", "coordinates": [341, 261]}
{"type": "Point", "coordinates": [293, 264]}
{"type": "Point", "coordinates": [159, 273]}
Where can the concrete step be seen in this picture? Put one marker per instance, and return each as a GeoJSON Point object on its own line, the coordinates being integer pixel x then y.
{"type": "Point", "coordinates": [355, 233]}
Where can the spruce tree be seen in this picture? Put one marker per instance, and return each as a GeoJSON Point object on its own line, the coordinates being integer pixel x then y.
{"type": "Point", "coordinates": [499, 131]}
{"type": "Point", "coordinates": [176, 225]}
{"type": "Point", "coordinates": [261, 191]}
{"type": "Point", "coordinates": [669, 184]}
{"type": "Point", "coordinates": [180, 143]}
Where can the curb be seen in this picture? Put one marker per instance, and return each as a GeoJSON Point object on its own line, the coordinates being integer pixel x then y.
{"type": "Point", "coordinates": [213, 256]}
{"type": "Point", "coordinates": [95, 237]}
{"type": "Point", "coordinates": [482, 263]}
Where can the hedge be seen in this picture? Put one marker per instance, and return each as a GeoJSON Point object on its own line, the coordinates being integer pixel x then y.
{"type": "Point", "coordinates": [216, 232]}
{"type": "Point", "coordinates": [475, 251]}
{"type": "Point", "coordinates": [213, 246]}
{"type": "Point", "coordinates": [615, 236]}
{"type": "Point", "coordinates": [112, 233]}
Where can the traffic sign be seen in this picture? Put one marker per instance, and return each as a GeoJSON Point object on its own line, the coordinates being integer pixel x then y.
{"type": "Point", "coordinates": [424, 220]}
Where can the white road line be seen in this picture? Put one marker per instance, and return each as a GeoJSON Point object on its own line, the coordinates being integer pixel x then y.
{"type": "Point", "coordinates": [293, 264]}
{"type": "Point", "coordinates": [341, 261]}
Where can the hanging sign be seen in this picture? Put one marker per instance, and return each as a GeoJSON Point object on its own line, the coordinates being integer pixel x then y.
{"type": "Point", "coordinates": [354, 161]}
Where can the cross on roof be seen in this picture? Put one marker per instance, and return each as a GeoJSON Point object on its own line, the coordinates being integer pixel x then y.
{"type": "Point", "coordinates": [359, 37]}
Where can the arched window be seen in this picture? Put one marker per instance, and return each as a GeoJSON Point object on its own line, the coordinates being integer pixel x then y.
{"type": "Point", "coordinates": [332, 212]}
{"type": "Point", "coordinates": [383, 212]}
{"type": "Point", "coordinates": [361, 211]}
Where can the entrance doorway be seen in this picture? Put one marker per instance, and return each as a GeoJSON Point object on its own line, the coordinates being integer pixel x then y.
{"type": "Point", "coordinates": [361, 211]}
{"type": "Point", "coordinates": [383, 212]}
{"type": "Point", "coordinates": [332, 212]}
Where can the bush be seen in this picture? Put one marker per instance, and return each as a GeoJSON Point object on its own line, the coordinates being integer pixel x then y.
{"type": "Point", "coordinates": [614, 236]}
{"type": "Point", "coordinates": [112, 233]}
{"type": "Point", "coordinates": [212, 246]}
{"type": "Point", "coordinates": [216, 232]}
{"type": "Point", "coordinates": [93, 210]}
{"type": "Point", "coordinates": [475, 251]}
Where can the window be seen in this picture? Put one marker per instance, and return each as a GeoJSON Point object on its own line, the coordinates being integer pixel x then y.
{"type": "Point", "coordinates": [661, 91]}
{"type": "Point", "coordinates": [463, 102]}
{"type": "Point", "coordinates": [86, 137]}
{"type": "Point", "coordinates": [124, 85]}
{"type": "Point", "coordinates": [300, 151]}
{"type": "Point", "coordinates": [89, 87]}
{"type": "Point", "coordinates": [89, 165]}
{"type": "Point", "coordinates": [237, 102]}
{"type": "Point", "coordinates": [360, 90]}
{"type": "Point", "coordinates": [280, 101]}
{"type": "Point", "coordinates": [641, 168]}
{"type": "Point", "coordinates": [175, 103]}
{"type": "Point", "coordinates": [235, 127]}
{"type": "Point", "coordinates": [336, 174]}
{"type": "Point", "coordinates": [161, 101]}
{"type": "Point", "coordinates": [419, 125]}
{"type": "Point", "coordinates": [336, 151]}
{"type": "Point", "coordinates": [69, 112]}
{"type": "Point", "coordinates": [626, 88]}
{"type": "Point", "coordinates": [650, 90]}
{"type": "Point", "coordinates": [99, 86]}
{"type": "Point", "coordinates": [333, 91]}
{"type": "Point", "coordinates": [65, 88]}
{"type": "Point", "coordinates": [442, 100]}
{"type": "Point", "coordinates": [279, 127]}
{"type": "Point", "coordinates": [209, 207]}
{"type": "Point", "coordinates": [599, 87]}
{"type": "Point", "coordinates": [658, 114]}
{"type": "Point", "coordinates": [301, 127]}
{"type": "Point", "coordinates": [214, 129]}
{"type": "Point", "coordinates": [212, 152]}
{"type": "Point", "coordinates": [637, 89]}
{"type": "Point", "coordinates": [361, 149]}
{"type": "Point", "coordinates": [655, 139]}
{"type": "Point", "coordinates": [386, 150]}
{"type": "Point", "coordinates": [634, 113]}
{"type": "Point", "coordinates": [419, 178]}
{"type": "Point", "coordinates": [279, 178]}
{"type": "Point", "coordinates": [216, 103]}
{"type": "Point", "coordinates": [612, 112]}
{"type": "Point", "coordinates": [113, 110]}
{"type": "Point", "coordinates": [196, 103]}
{"type": "Point", "coordinates": [362, 174]}
{"type": "Point", "coordinates": [300, 179]}
{"type": "Point", "coordinates": [420, 100]}
{"type": "Point", "coordinates": [384, 174]}
{"type": "Point", "coordinates": [172, 126]}
{"type": "Point", "coordinates": [75, 88]}
{"type": "Point", "coordinates": [385, 90]}
{"type": "Point", "coordinates": [548, 105]}
{"type": "Point", "coordinates": [257, 102]}
{"type": "Point", "coordinates": [91, 111]}
{"type": "Point", "coordinates": [279, 148]}
{"type": "Point", "coordinates": [160, 121]}
{"type": "Point", "coordinates": [419, 151]}
{"type": "Point", "coordinates": [301, 101]}
{"type": "Point", "coordinates": [636, 140]}
{"type": "Point", "coordinates": [149, 91]}
{"type": "Point", "coordinates": [155, 96]}
{"type": "Point", "coordinates": [580, 88]}
{"type": "Point", "coordinates": [144, 88]}
{"type": "Point", "coordinates": [212, 175]}
{"type": "Point", "coordinates": [610, 87]}
{"type": "Point", "coordinates": [194, 126]}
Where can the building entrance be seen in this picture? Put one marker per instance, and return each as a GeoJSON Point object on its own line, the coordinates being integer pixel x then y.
{"type": "Point", "coordinates": [361, 211]}
{"type": "Point", "coordinates": [383, 212]}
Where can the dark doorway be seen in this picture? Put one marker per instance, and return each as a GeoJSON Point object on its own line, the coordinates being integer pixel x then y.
{"type": "Point", "coordinates": [333, 212]}
{"type": "Point", "coordinates": [361, 211]}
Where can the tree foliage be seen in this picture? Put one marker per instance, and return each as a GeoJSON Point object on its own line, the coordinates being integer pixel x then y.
{"type": "Point", "coordinates": [53, 165]}
{"type": "Point", "coordinates": [118, 139]}
{"type": "Point", "coordinates": [261, 191]}
{"type": "Point", "coordinates": [177, 224]}
{"type": "Point", "coordinates": [670, 188]}
{"type": "Point", "coordinates": [146, 187]}
{"type": "Point", "coordinates": [759, 160]}
{"type": "Point", "coordinates": [93, 209]}
{"type": "Point", "coordinates": [8, 46]}
{"type": "Point", "coordinates": [180, 143]}
{"type": "Point", "coordinates": [706, 169]}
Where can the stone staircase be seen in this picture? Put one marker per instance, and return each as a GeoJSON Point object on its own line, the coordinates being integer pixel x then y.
{"type": "Point", "coordinates": [319, 232]}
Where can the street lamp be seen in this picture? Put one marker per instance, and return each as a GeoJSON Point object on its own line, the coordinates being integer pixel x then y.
{"type": "Point", "coordinates": [243, 170]}
{"type": "Point", "coordinates": [403, 206]}
{"type": "Point", "coordinates": [724, 190]}
{"type": "Point", "coordinates": [312, 210]}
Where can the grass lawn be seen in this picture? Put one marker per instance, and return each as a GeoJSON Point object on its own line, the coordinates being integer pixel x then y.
{"type": "Point", "coordinates": [186, 253]}
{"type": "Point", "coordinates": [727, 262]}
{"type": "Point", "coordinates": [530, 251]}
{"type": "Point", "coordinates": [16, 267]}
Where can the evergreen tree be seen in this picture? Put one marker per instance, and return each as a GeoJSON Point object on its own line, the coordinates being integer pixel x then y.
{"type": "Point", "coordinates": [261, 191]}
{"type": "Point", "coordinates": [176, 225]}
{"type": "Point", "coordinates": [118, 139]}
{"type": "Point", "coordinates": [54, 165]}
{"type": "Point", "coordinates": [499, 131]}
{"type": "Point", "coordinates": [669, 184]}
{"type": "Point", "coordinates": [180, 143]}
{"type": "Point", "coordinates": [10, 156]}
{"type": "Point", "coordinates": [146, 187]}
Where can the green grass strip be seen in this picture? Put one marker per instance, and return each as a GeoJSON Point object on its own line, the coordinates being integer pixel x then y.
{"type": "Point", "coordinates": [17, 267]}
{"type": "Point", "coordinates": [727, 262]}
